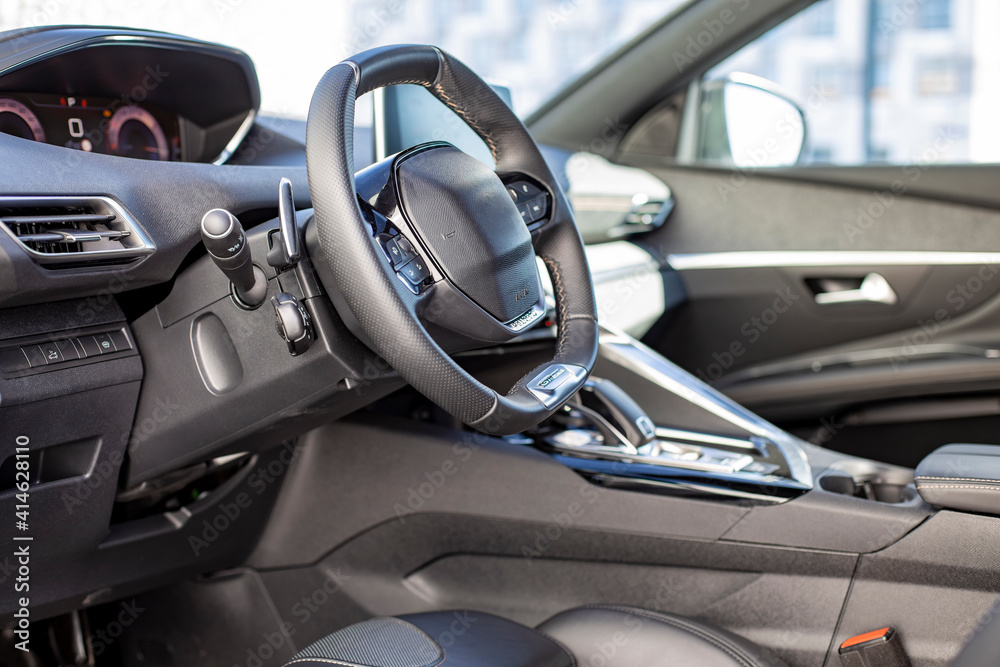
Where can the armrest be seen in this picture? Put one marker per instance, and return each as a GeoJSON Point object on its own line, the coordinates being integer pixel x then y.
{"type": "Point", "coordinates": [961, 477]}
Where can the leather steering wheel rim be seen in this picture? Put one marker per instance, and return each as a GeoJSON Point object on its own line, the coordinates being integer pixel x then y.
{"type": "Point", "coordinates": [353, 262]}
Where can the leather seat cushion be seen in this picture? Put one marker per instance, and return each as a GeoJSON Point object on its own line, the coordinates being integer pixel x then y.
{"type": "Point", "coordinates": [619, 636]}
{"type": "Point", "coordinates": [449, 639]}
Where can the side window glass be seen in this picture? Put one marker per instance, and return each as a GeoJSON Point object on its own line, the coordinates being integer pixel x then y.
{"type": "Point", "coordinates": [877, 81]}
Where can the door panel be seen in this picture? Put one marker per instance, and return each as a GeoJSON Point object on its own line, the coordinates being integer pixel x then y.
{"type": "Point", "coordinates": [753, 251]}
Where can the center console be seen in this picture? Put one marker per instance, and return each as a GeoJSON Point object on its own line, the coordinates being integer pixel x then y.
{"type": "Point", "coordinates": [604, 434]}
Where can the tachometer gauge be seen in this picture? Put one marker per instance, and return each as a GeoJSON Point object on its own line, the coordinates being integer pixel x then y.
{"type": "Point", "coordinates": [133, 132]}
{"type": "Point", "coordinates": [19, 120]}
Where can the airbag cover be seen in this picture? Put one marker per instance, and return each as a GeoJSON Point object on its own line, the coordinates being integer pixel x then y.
{"type": "Point", "coordinates": [468, 222]}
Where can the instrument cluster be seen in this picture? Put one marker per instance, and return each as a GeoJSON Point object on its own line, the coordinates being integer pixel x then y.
{"type": "Point", "coordinates": [93, 124]}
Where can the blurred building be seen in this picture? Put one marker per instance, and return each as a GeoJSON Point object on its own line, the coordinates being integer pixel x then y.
{"type": "Point", "coordinates": [533, 46]}
{"type": "Point", "coordinates": [900, 81]}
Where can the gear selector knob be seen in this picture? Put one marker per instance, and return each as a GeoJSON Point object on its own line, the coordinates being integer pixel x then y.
{"type": "Point", "coordinates": [227, 245]}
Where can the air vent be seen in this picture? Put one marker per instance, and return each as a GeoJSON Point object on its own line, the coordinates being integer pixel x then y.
{"type": "Point", "coordinates": [65, 232]}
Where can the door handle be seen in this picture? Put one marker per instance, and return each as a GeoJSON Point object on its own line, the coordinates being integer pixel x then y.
{"type": "Point", "coordinates": [874, 288]}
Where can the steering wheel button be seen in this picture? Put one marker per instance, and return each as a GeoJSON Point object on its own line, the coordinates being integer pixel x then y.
{"type": "Point", "coordinates": [537, 208]}
{"type": "Point", "coordinates": [415, 272]}
{"type": "Point", "coordinates": [405, 246]}
{"type": "Point", "coordinates": [525, 212]}
{"type": "Point", "coordinates": [522, 191]}
{"type": "Point", "coordinates": [400, 251]}
{"type": "Point", "coordinates": [395, 254]}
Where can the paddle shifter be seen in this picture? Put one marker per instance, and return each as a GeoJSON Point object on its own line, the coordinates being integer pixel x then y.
{"type": "Point", "coordinates": [227, 245]}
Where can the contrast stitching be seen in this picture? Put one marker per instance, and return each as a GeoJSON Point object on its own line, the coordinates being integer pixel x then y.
{"type": "Point", "coordinates": [557, 285]}
{"type": "Point", "coordinates": [960, 479]}
{"type": "Point", "coordinates": [719, 642]}
{"type": "Point", "coordinates": [332, 661]}
{"type": "Point", "coordinates": [328, 661]}
{"type": "Point", "coordinates": [958, 486]}
{"type": "Point", "coordinates": [461, 111]}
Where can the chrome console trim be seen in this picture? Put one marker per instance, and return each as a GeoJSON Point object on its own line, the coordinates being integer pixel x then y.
{"type": "Point", "coordinates": [624, 350]}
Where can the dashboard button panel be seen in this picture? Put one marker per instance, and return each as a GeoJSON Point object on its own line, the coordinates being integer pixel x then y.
{"type": "Point", "coordinates": [52, 352]}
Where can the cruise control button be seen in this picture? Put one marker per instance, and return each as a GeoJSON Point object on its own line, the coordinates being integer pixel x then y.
{"type": "Point", "coordinates": [524, 191]}
{"type": "Point", "coordinates": [68, 350]}
{"type": "Point", "coordinates": [395, 254]}
{"type": "Point", "coordinates": [401, 251]}
{"type": "Point", "coordinates": [34, 355]}
{"type": "Point", "coordinates": [406, 248]}
{"type": "Point", "coordinates": [104, 343]}
{"type": "Point", "coordinates": [415, 271]}
{"type": "Point", "coordinates": [537, 208]}
{"type": "Point", "coordinates": [51, 352]}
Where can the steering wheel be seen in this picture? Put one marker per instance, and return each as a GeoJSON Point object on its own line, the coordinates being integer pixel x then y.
{"type": "Point", "coordinates": [474, 272]}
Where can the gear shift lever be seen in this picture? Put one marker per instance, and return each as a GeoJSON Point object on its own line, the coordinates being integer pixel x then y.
{"type": "Point", "coordinates": [629, 417]}
{"type": "Point", "coordinates": [625, 432]}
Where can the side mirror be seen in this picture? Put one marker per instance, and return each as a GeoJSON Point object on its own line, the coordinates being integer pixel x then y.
{"type": "Point", "coordinates": [747, 122]}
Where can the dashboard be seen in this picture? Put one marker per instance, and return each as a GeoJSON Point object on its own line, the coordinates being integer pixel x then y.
{"type": "Point", "coordinates": [93, 124]}
{"type": "Point", "coordinates": [115, 143]}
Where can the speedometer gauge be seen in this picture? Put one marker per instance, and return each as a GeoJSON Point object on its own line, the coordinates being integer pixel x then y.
{"type": "Point", "coordinates": [19, 120]}
{"type": "Point", "coordinates": [133, 132]}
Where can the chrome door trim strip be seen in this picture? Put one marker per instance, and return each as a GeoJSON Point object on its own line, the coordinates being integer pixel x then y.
{"type": "Point", "coordinates": [756, 259]}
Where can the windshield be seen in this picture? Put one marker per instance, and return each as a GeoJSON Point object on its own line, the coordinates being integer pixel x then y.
{"type": "Point", "coordinates": [533, 46]}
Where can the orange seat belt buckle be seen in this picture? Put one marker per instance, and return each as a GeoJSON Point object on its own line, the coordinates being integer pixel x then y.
{"type": "Point", "coordinates": [879, 648]}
